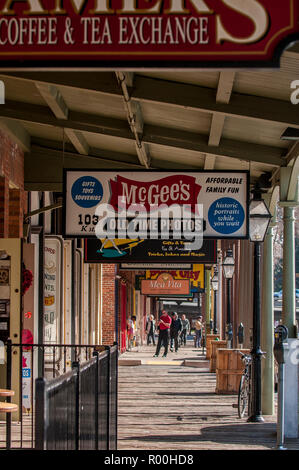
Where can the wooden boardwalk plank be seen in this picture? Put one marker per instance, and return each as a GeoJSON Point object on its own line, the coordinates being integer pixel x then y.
{"type": "Point", "coordinates": [165, 406]}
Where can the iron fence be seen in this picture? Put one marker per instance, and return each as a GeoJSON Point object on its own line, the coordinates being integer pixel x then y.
{"type": "Point", "coordinates": [74, 399]}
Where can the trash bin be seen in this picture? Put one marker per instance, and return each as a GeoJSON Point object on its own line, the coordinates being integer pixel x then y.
{"type": "Point", "coordinates": [216, 344]}
{"type": "Point", "coordinates": [229, 369]}
{"type": "Point", "coordinates": [210, 338]}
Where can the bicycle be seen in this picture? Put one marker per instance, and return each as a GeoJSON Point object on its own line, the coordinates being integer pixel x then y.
{"type": "Point", "coordinates": [245, 387]}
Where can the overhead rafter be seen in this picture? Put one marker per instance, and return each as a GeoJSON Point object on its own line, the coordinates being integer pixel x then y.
{"type": "Point", "coordinates": [54, 100]}
{"type": "Point", "coordinates": [44, 165]}
{"type": "Point", "coordinates": [134, 116]}
{"type": "Point", "coordinates": [224, 91]}
{"type": "Point", "coordinates": [16, 132]}
{"type": "Point", "coordinates": [151, 134]}
{"type": "Point", "coordinates": [76, 121]}
{"type": "Point", "coordinates": [56, 103]}
{"type": "Point", "coordinates": [228, 148]}
{"type": "Point", "coordinates": [292, 154]}
{"type": "Point", "coordinates": [181, 94]}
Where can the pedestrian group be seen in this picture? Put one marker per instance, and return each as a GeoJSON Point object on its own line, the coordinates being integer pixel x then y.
{"type": "Point", "coordinates": [172, 331]}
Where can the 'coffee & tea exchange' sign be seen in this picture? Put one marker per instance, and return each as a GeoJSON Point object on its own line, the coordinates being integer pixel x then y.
{"type": "Point", "coordinates": [146, 32]}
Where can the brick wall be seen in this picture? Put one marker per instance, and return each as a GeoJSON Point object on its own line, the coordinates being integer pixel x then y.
{"type": "Point", "coordinates": [13, 198]}
{"type": "Point", "coordinates": [108, 304]}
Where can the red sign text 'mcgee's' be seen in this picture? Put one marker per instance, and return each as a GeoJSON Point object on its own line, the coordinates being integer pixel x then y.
{"type": "Point", "coordinates": [178, 189]}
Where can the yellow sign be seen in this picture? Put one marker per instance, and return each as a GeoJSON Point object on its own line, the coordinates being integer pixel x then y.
{"type": "Point", "coordinates": [50, 300]}
{"type": "Point", "coordinates": [196, 276]}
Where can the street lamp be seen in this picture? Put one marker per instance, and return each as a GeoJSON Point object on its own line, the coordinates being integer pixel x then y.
{"type": "Point", "coordinates": [228, 270]}
{"type": "Point", "coordinates": [215, 282]}
{"type": "Point", "coordinates": [259, 219]}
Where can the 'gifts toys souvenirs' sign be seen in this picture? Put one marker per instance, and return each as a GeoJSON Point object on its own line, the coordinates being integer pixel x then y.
{"type": "Point", "coordinates": [146, 32]}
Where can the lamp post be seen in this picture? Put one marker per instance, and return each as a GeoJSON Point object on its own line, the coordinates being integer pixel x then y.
{"type": "Point", "coordinates": [228, 270]}
{"type": "Point", "coordinates": [215, 283]}
{"type": "Point", "coordinates": [259, 219]}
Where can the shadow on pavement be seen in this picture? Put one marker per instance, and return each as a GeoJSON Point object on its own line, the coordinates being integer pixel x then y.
{"type": "Point", "coordinates": [240, 434]}
{"type": "Point", "coordinates": [186, 394]}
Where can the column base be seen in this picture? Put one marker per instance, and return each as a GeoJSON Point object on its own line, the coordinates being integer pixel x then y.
{"type": "Point", "coordinates": [255, 419]}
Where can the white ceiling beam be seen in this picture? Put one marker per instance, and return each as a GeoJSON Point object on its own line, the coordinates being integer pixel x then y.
{"type": "Point", "coordinates": [225, 86]}
{"type": "Point", "coordinates": [209, 162]}
{"type": "Point", "coordinates": [17, 133]}
{"type": "Point", "coordinates": [292, 153]}
{"type": "Point", "coordinates": [78, 141]}
{"type": "Point", "coordinates": [176, 94]}
{"type": "Point", "coordinates": [129, 78]}
{"type": "Point", "coordinates": [134, 117]}
{"type": "Point", "coordinates": [247, 151]}
{"type": "Point", "coordinates": [224, 91]}
{"type": "Point", "coordinates": [56, 103]}
{"type": "Point", "coordinates": [54, 100]}
{"type": "Point", "coordinates": [202, 99]}
{"type": "Point", "coordinates": [217, 125]}
{"type": "Point", "coordinates": [143, 154]}
{"type": "Point", "coordinates": [162, 136]}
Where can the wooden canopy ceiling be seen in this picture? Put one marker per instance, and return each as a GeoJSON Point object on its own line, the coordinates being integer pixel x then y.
{"type": "Point", "coordinates": [206, 119]}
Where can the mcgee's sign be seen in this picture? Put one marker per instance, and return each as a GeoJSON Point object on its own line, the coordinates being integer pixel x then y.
{"type": "Point", "coordinates": [156, 205]}
{"type": "Point", "coordinates": [145, 32]}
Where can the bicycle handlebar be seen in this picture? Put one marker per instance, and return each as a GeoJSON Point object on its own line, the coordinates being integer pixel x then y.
{"type": "Point", "coordinates": [248, 356]}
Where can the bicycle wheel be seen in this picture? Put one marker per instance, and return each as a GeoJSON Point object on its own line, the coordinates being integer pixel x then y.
{"type": "Point", "coordinates": [243, 397]}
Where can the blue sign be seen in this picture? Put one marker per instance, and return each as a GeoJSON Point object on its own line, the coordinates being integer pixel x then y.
{"type": "Point", "coordinates": [26, 373]}
{"type": "Point", "coordinates": [87, 191]}
{"type": "Point", "coordinates": [226, 215]}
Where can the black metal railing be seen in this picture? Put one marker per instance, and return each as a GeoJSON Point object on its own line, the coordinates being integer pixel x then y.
{"type": "Point", "coordinates": [78, 410]}
{"type": "Point", "coordinates": [92, 369]}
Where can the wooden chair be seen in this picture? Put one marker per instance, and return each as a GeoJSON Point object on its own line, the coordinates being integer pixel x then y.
{"type": "Point", "coordinates": [6, 393]}
{"type": "Point", "coordinates": [4, 406]}
{"type": "Point", "coordinates": [8, 407]}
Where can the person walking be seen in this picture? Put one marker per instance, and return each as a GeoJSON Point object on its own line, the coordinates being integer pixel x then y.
{"type": "Point", "coordinates": [198, 332]}
{"type": "Point", "coordinates": [185, 329]}
{"type": "Point", "coordinates": [163, 338]}
{"type": "Point", "coordinates": [150, 330]}
{"type": "Point", "coordinates": [175, 330]}
{"type": "Point", "coordinates": [130, 334]}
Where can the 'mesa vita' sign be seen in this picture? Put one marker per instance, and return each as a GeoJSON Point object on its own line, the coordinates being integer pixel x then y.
{"type": "Point", "coordinates": [156, 204]}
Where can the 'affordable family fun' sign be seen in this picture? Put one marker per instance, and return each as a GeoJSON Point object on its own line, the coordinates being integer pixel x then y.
{"type": "Point", "coordinates": [146, 32]}
{"type": "Point", "coordinates": [156, 205]}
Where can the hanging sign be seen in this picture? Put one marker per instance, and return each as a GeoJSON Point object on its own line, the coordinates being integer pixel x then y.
{"type": "Point", "coordinates": [155, 251]}
{"type": "Point", "coordinates": [195, 276]}
{"type": "Point", "coordinates": [52, 297]}
{"type": "Point", "coordinates": [146, 33]}
{"type": "Point", "coordinates": [143, 266]}
{"type": "Point", "coordinates": [155, 205]}
{"type": "Point", "coordinates": [26, 380]}
{"type": "Point", "coordinates": [165, 284]}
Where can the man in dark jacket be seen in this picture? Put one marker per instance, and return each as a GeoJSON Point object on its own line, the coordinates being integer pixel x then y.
{"type": "Point", "coordinates": [175, 330]}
